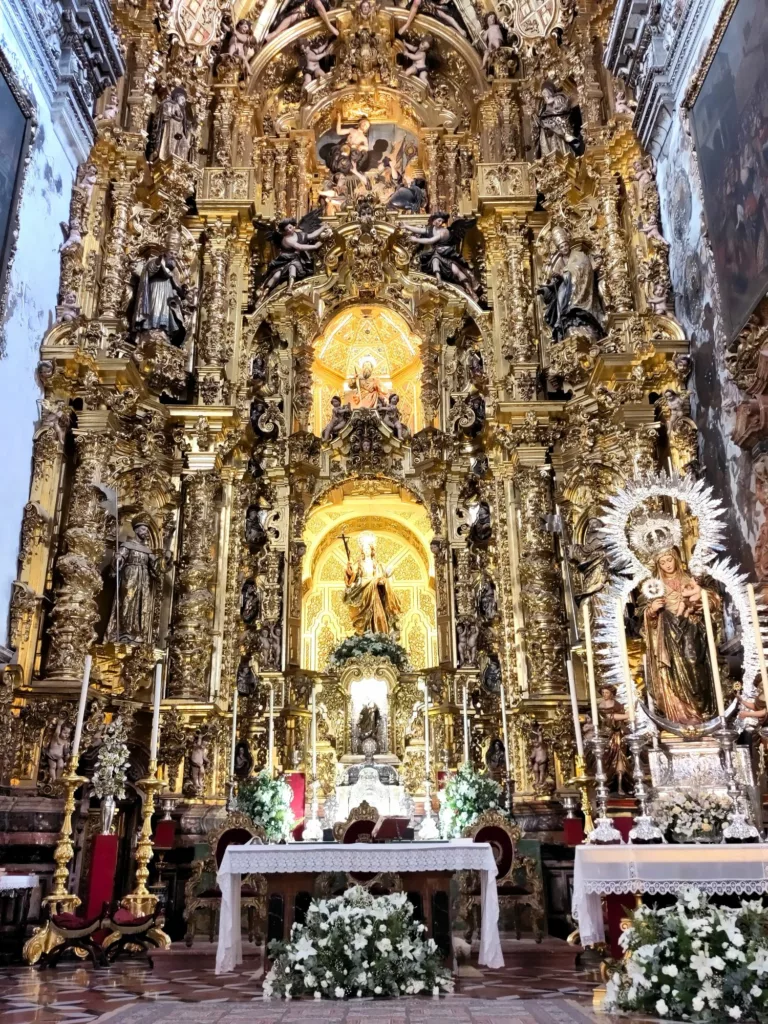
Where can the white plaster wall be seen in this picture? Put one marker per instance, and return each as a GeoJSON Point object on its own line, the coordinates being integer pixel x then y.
{"type": "Point", "coordinates": [726, 466]}
{"type": "Point", "coordinates": [30, 310]}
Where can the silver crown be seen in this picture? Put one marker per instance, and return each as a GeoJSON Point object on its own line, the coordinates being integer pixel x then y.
{"type": "Point", "coordinates": [651, 535]}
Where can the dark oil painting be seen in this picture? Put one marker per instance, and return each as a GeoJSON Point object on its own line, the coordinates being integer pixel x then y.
{"type": "Point", "coordinates": [730, 125]}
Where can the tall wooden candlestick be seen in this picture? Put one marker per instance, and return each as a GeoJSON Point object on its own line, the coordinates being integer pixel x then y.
{"type": "Point", "coordinates": [713, 653]}
{"type": "Point", "coordinates": [156, 698]}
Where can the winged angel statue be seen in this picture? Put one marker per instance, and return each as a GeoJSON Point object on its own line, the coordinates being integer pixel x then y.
{"type": "Point", "coordinates": [296, 244]}
{"type": "Point", "coordinates": [442, 259]}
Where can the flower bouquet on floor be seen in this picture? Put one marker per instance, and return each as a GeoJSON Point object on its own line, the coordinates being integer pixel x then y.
{"type": "Point", "coordinates": [694, 961]}
{"type": "Point", "coordinates": [697, 816]}
{"type": "Point", "coordinates": [267, 802]}
{"type": "Point", "coordinates": [466, 796]}
{"type": "Point", "coordinates": [357, 945]}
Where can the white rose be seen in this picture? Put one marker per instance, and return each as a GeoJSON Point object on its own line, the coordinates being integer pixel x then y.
{"type": "Point", "coordinates": [755, 991]}
{"type": "Point", "coordinates": [670, 970]}
{"type": "Point", "coordinates": [665, 989]}
{"type": "Point", "coordinates": [318, 996]}
{"type": "Point", "coordinates": [734, 1011]}
{"type": "Point", "coordinates": [661, 1007]}
{"type": "Point", "coordinates": [339, 992]}
{"type": "Point", "coordinates": [697, 1004]}
{"type": "Point", "coordinates": [377, 990]}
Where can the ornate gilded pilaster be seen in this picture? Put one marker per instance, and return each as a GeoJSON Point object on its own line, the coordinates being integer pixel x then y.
{"type": "Point", "coordinates": [145, 65]}
{"type": "Point", "coordinates": [213, 341]}
{"type": "Point", "coordinates": [225, 90]}
{"type": "Point", "coordinates": [616, 257]}
{"type": "Point", "coordinates": [75, 612]}
{"type": "Point", "coordinates": [509, 115]}
{"type": "Point", "coordinates": [281, 153]}
{"type": "Point", "coordinates": [191, 640]}
{"type": "Point", "coordinates": [540, 580]}
{"type": "Point", "coordinates": [113, 277]}
{"type": "Point", "coordinates": [519, 343]}
{"type": "Point", "coordinates": [431, 150]}
{"type": "Point", "coordinates": [450, 169]}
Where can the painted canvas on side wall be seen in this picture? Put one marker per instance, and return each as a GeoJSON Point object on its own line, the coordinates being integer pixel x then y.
{"type": "Point", "coordinates": [730, 124]}
{"type": "Point", "coordinates": [15, 132]}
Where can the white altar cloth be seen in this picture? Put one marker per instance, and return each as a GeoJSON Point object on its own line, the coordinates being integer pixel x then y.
{"type": "Point", "coordinates": [717, 869]}
{"type": "Point", "coordinates": [11, 882]}
{"type": "Point", "coordinates": [457, 855]}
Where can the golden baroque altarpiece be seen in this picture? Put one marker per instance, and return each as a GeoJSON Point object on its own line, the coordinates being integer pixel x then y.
{"type": "Point", "coordinates": [443, 202]}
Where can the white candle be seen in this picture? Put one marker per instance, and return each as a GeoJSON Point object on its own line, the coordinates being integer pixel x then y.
{"type": "Point", "coordinates": [271, 754]}
{"type": "Point", "coordinates": [466, 729]}
{"type": "Point", "coordinates": [575, 708]}
{"type": "Point", "coordinates": [314, 731]}
{"type": "Point", "coordinates": [426, 728]}
{"type": "Point", "coordinates": [81, 707]}
{"type": "Point", "coordinates": [712, 653]}
{"type": "Point", "coordinates": [625, 661]}
{"type": "Point", "coordinates": [234, 734]}
{"type": "Point", "coordinates": [758, 640]}
{"type": "Point", "coordinates": [590, 665]}
{"type": "Point", "coordinates": [156, 711]}
{"type": "Point", "coordinates": [504, 727]}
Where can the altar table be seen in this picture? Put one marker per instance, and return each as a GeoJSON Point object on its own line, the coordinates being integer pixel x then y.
{"type": "Point", "coordinates": [407, 857]}
{"type": "Point", "coordinates": [718, 869]}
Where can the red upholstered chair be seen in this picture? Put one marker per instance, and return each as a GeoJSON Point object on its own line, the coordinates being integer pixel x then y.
{"type": "Point", "coordinates": [357, 829]}
{"type": "Point", "coordinates": [518, 880]}
{"type": "Point", "coordinates": [202, 896]}
{"type": "Point", "coordinates": [71, 934]}
{"type": "Point", "coordinates": [129, 935]}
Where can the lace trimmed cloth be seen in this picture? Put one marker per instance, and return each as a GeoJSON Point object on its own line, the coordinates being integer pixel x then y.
{"type": "Point", "coordinates": [718, 869]}
{"type": "Point", "coordinates": [411, 857]}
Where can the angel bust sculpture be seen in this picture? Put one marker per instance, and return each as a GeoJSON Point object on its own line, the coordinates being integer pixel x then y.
{"type": "Point", "coordinates": [679, 677]}
{"type": "Point", "coordinates": [373, 604]}
{"type": "Point", "coordinates": [442, 257]}
{"type": "Point", "coordinates": [294, 261]}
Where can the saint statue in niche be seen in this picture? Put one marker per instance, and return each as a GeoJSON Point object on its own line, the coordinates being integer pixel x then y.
{"type": "Point", "coordinates": [570, 295]}
{"type": "Point", "coordinates": [365, 389]}
{"type": "Point", "coordinates": [678, 674]}
{"type": "Point", "coordinates": [139, 575]}
{"type": "Point", "coordinates": [373, 604]}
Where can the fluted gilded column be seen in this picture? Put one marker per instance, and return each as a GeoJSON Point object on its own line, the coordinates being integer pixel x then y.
{"type": "Point", "coordinates": [540, 579]}
{"type": "Point", "coordinates": [191, 640]}
{"type": "Point", "coordinates": [113, 277]}
{"type": "Point", "coordinates": [78, 570]}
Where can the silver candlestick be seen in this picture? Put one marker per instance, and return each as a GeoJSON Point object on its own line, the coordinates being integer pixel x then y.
{"type": "Point", "coordinates": [604, 830]}
{"type": "Point", "coordinates": [313, 830]}
{"type": "Point", "coordinates": [645, 829]}
{"type": "Point", "coordinates": [738, 828]}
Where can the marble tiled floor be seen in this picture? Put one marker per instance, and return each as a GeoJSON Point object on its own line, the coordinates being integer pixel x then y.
{"type": "Point", "coordinates": [538, 985]}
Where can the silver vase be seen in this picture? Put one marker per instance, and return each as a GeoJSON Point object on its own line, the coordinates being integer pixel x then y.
{"type": "Point", "coordinates": [108, 808]}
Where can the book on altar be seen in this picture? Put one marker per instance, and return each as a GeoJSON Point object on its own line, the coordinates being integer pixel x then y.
{"type": "Point", "coordinates": [390, 828]}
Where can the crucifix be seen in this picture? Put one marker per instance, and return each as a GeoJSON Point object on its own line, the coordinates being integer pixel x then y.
{"type": "Point", "coordinates": [343, 537]}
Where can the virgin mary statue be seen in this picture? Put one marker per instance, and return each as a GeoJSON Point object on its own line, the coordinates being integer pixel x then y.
{"type": "Point", "coordinates": [373, 604]}
{"type": "Point", "coordinates": [679, 678]}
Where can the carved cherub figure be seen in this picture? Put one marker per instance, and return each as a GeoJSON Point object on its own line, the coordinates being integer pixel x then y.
{"type": "Point", "coordinates": [242, 43]}
{"type": "Point", "coordinates": [492, 37]}
{"type": "Point", "coordinates": [389, 414]}
{"type": "Point", "coordinates": [292, 11]}
{"type": "Point", "coordinates": [339, 416]}
{"type": "Point", "coordinates": [467, 635]}
{"type": "Point", "coordinates": [417, 56]}
{"type": "Point", "coordinates": [198, 762]}
{"type": "Point", "coordinates": [57, 751]}
{"type": "Point", "coordinates": [312, 54]}
{"type": "Point", "coordinates": [539, 758]}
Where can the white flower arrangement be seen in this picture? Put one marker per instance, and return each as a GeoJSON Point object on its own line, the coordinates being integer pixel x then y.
{"type": "Point", "coordinates": [694, 961]}
{"type": "Point", "coordinates": [267, 802]}
{"type": "Point", "coordinates": [112, 763]}
{"type": "Point", "coordinates": [357, 945]}
{"type": "Point", "coordinates": [466, 796]}
{"type": "Point", "coordinates": [694, 816]}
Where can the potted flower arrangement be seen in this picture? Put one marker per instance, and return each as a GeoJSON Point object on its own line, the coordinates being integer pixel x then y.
{"type": "Point", "coordinates": [378, 645]}
{"type": "Point", "coordinates": [694, 961]}
{"type": "Point", "coordinates": [466, 796]}
{"type": "Point", "coordinates": [697, 816]}
{"type": "Point", "coordinates": [109, 774]}
{"type": "Point", "coordinates": [357, 945]}
{"type": "Point", "coordinates": [267, 802]}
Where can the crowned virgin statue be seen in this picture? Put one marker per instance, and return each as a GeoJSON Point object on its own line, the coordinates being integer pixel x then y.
{"type": "Point", "coordinates": [373, 604]}
{"type": "Point", "coordinates": [678, 674]}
